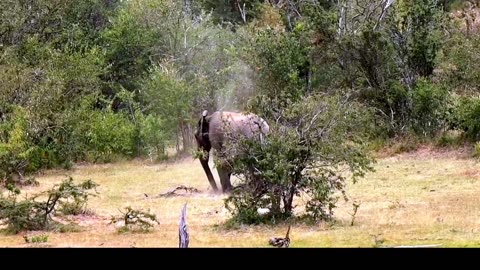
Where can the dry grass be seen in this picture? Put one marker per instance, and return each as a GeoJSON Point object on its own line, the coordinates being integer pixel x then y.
{"type": "Point", "coordinates": [418, 198]}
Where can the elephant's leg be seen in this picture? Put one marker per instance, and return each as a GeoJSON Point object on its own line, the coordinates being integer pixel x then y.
{"type": "Point", "coordinates": [224, 172]}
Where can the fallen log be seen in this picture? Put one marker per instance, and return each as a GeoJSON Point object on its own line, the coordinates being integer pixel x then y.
{"type": "Point", "coordinates": [182, 187]}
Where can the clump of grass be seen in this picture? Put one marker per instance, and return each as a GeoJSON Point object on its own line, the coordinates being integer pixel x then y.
{"type": "Point", "coordinates": [406, 145]}
{"type": "Point", "coordinates": [68, 228]}
{"type": "Point", "coordinates": [476, 150]}
{"type": "Point", "coordinates": [450, 139]}
{"type": "Point", "coordinates": [41, 238]}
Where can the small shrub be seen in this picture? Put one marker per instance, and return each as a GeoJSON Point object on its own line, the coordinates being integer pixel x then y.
{"type": "Point", "coordinates": [76, 202]}
{"type": "Point", "coordinates": [135, 220]}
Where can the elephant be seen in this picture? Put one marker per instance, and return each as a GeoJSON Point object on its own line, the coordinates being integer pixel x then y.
{"type": "Point", "coordinates": [214, 132]}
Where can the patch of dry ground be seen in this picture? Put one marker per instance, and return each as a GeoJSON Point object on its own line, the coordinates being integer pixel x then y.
{"type": "Point", "coordinates": [422, 197]}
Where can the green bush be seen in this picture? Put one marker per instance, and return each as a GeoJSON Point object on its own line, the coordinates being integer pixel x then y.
{"type": "Point", "coordinates": [109, 134]}
{"type": "Point", "coordinates": [429, 106]}
{"type": "Point", "coordinates": [99, 135]}
{"type": "Point", "coordinates": [18, 156]}
{"type": "Point", "coordinates": [450, 138]}
{"type": "Point", "coordinates": [46, 83]}
{"type": "Point", "coordinates": [135, 220]}
{"type": "Point", "coordinates": [467, 115]}
{"type": "Point", "coordinates": [460, 63]}
{"type": "Point", "coordinates": [154, 137]}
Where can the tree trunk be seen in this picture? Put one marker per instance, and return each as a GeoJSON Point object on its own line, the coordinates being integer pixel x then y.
{"type": "Point", "coordinates": [186, 134]}
{"type": "Point", "coordinates": [177, 140]}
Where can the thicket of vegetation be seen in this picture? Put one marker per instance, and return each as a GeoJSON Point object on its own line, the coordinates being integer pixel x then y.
{"type": "Point", "coordinates": [99, 80]}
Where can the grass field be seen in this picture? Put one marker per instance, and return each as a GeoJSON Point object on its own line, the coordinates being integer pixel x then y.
{"type": "Point", "coordinates": [420, 198]}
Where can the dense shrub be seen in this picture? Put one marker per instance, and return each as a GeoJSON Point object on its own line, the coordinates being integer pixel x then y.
{"type": "Point", "coordinates": [101, 135]}
{"type": "Point", "coordinates": [467, 115]}
{"type": "Point", "coordinates": [429, 105]}
{"type": "Point", "coordinates": [18, 155]}
{"type": "Point", "coordinates": [154, 137]}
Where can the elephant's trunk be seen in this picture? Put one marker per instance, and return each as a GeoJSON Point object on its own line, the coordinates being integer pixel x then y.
{"type": "Point", "coordinates": [208, 172]}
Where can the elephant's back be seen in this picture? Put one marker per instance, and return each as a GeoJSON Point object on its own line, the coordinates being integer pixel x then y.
{"type": "Point", "coordinates": [246, 124]}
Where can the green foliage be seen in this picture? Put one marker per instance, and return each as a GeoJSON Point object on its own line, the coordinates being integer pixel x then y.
{"type": "Point", "coordinates": [31, 214]}
{"type": "Point", "coordinates": [385, 56]}
{"type": "Point", "coordinates": [99, 135]}
{"type": "Point", "coordinates": [17, 154]}
{"type": "Point", "coordinates": [460, 64]}
{"type": "Point", "coordinates": [135, 220]}
{"type": "Point", "coordinates": [282, 61]}
{"type": "Point", "coordinates": [169, 96]}
{"type": "Point", "coordinates": [467, 113]}
{"type": "Point", "coordinates": [154, 137]}
{"type": "Point", "coordinates": [421, 22]}
{"type": "Point", "coordinates": [450, 138]}
{"type": "Point", "coordinates": [429, 103]}
{"type": "Point", "coordinates": [62, 23]}
{"type": "Point", "coordinates": [108, 134]}
{"type": "Point", "coordinates": [307, 155]}
{"type": "Point", "coordinates": [44, 83]}
{"type": "Point", "coordinates": [129, 48]}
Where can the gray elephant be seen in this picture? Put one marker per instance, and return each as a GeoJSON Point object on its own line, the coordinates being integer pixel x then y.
{"type": "Point", "coordinates": [216, 130]}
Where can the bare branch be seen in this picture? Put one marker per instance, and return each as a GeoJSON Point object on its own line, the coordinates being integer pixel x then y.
{"type": "Point", "coordinates": [243, 12]}
{"type": "Point", "coordinates": [384, 11]}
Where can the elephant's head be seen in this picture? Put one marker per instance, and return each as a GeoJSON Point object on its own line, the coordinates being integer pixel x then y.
{"type": "Point", "coordinates": [204, 145]}
{"type": "Point", "coordinates": [211, 133]}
